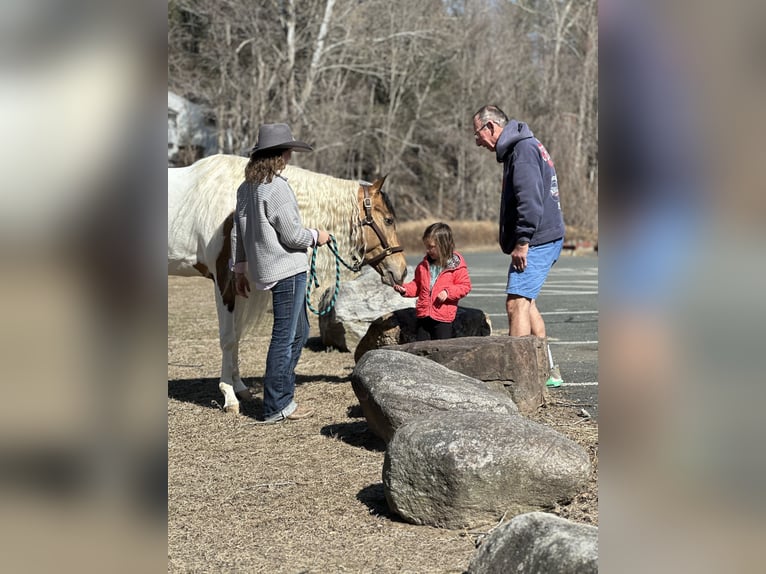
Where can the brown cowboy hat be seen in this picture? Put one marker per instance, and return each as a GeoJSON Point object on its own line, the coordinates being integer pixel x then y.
{"type": "Point", "coordinates": [278, 136]}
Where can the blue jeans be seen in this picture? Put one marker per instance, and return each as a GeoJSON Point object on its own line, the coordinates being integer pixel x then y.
{"type": "Point", "coordinates": [288, 337]}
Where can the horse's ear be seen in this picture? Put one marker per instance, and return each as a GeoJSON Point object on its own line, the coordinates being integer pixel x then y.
{"type": "Point", "coordinates": [378, 185]}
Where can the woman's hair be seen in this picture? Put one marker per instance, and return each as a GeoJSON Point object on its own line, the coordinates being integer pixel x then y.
{"type": "Point", "coordinates": [263, 166]}
{"type": "Point", "coordinates": [441, 234]}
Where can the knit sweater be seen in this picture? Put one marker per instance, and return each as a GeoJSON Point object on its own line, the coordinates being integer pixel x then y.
{"type": "Point", "coordinates": [269, 234]}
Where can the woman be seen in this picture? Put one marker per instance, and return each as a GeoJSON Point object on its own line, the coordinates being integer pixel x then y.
{"type": "Point", "coordinates": [271, 251]}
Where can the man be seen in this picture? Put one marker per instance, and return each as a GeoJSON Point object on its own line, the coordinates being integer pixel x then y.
{"type": "Point", "coordinates": [531, 224]}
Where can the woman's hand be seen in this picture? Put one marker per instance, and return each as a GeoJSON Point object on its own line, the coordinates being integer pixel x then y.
{"type": "Point", "coordinates": [241, 285]}
{"type": "Point", "coordinates": [322, 237]}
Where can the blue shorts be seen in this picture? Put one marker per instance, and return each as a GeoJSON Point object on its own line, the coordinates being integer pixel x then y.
{"type": "Point", "coordinates": [540, 259]}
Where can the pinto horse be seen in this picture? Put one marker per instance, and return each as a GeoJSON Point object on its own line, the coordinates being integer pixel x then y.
{"type": "Point", "coordinates": [201, 204]}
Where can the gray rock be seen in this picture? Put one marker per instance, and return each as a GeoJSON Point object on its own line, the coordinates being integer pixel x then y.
{"type": "Point", "coordinates": [358, 304]}
{"type": "Point", "coordinates": [464, 469]}
{"type": "Point", "coordinates": [399, 327]}
{"type": "Point", "coordinates": [538, 543]}
{"type": "Point", "coordinates": [394, 387]}
{"type": "Point", "coordinates": [519, 363]}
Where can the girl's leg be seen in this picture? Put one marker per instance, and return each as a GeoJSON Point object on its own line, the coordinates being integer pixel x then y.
{"type": "Point", "coordinates": [442, 330]}
{"type": "Point", "coordinates": [423, 330]}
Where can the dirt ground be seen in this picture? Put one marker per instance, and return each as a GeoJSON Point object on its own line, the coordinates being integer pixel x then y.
{"type": "Point", "coordinates": [304, 496]}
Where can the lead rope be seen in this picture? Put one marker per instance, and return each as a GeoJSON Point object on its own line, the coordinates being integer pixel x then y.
{"type": "Point", "coordinates": [314, 282]}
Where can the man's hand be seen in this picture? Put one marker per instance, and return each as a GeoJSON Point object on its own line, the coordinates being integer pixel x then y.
{"type": "Point", "coordinates": [519, 256]}
{"type": "Point", "coordinates": [241, 285]}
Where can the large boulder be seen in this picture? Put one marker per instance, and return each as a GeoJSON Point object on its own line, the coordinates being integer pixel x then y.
{"type": "Point", "coordinates": [538, 543]}
{"type": "Point", "coordinates": [394, 387]}
{"type": "Point", "coordinates": [358, 304]}
{"type": "Point", "coordinates": [399, 327]}
{"type": "Point", "coordinates": [463, 469]}
{"type": "Point", "coordinates": [518, 363]}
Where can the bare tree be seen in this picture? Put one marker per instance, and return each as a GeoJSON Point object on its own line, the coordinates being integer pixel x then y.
{"type": "Point", "coordinates": [390, 86]}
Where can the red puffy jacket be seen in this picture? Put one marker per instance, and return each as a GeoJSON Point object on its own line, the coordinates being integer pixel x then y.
{"type": "Point", "coordinates": [454, 278]}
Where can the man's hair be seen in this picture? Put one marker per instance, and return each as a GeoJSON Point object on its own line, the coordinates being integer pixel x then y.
{"type": "Point", "coordinates": [491, 113]}
{"type": "Point", "coordinates": [441, 234]}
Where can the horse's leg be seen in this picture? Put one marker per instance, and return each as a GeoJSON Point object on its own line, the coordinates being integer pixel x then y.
{"type": "Point", "coordinates": [239, 314]}
{"type": "Point", "coordinates": [231, 404]}
{"type": "Point", "coordinates": [228, 336]}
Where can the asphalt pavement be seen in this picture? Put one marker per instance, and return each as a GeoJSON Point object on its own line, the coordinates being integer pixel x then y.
{"type": "Point", "coordinates": [569, 305]}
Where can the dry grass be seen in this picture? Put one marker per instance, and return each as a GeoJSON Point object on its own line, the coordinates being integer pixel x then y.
{"type": "Point", "coordinates": [469, 235]}
{"type": "Point", "coordinates": [304, 496]}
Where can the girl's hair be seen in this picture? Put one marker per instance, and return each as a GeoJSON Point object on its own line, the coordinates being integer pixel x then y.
{"type": "Point", "coordinates": [441, 234]}
{"type": "Point", "coordinates": [263, 166]}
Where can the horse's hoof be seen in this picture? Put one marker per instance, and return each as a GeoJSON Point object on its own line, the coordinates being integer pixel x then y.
{"type": "Point", "coordinates": [230, 405]}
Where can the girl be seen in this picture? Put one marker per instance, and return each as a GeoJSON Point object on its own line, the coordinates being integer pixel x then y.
{"type": "Point", "coordinates": [441, 279]}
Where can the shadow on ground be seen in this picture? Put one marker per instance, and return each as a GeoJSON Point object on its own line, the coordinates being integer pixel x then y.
{"type": "Point", "coordinates": [355, 434]}
{"type": "Point", "coordinates": [205, 393]}
{"type": "Point", "coordinates": [302, 379]}
{"type": "Point", "coordinates": [315, 344]}
{"type": "Point", "coordinates": [355, 412]}
{"type": "Point", "coordinates": [374, 498]}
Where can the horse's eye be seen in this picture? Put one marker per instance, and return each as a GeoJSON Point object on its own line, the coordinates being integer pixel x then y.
{"type": "Point", "coordinates": [389, 220]}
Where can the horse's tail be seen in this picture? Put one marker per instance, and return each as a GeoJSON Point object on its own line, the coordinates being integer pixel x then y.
{"type": "Point", "coordinates": [247, 312]}
{"type": "Point", "coordinates": [250, 312]}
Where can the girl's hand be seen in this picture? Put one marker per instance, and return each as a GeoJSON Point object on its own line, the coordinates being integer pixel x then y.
{"type": "Point", "coordinates": [399, 289]}
{"type": "Point", "coordinates": [442, 296]}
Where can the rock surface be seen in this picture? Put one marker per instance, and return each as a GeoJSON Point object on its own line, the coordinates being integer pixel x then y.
{"type": "Point", "coordinates": [463, 469]}
{"type": "Point", "coordinates": [358, 304]}
{"type": "Point", "coordinates": [538, 543]}
{"type": "Point", "coordinates": [518, 363]}
{"type": "Point", "coordinates": [394, 387]}
{"type": "Point", "coordinates": [399, 327]}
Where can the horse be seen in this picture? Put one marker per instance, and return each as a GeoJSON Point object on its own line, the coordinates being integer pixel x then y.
{"type": "Point", "coordinates": [201, 205]}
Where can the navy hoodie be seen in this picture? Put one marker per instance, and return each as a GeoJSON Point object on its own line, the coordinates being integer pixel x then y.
{"type": "Point", "coordinates": [529, 207]}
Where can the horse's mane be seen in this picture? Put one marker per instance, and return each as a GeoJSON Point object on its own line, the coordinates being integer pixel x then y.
{"type": "Point", "coordinates": [329, 203]}
{"type": "Point", "coordinates": [325, 202]}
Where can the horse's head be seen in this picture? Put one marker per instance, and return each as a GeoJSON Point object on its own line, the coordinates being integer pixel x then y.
{"type": "Point", "coordinates": [380, 249]}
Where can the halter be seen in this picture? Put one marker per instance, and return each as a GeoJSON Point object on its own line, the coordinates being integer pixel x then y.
{"type": "Point", "coordinates": [368, 220]}
{"type": "Point", "coordinates": [356, 267]}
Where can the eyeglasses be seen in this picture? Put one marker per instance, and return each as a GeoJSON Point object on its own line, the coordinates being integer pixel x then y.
{"type": "Point", "coordinates": [477, 132]}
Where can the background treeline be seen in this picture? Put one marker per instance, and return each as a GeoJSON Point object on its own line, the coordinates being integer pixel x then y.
{"type": "Point", "coordinates": [390, 86]}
